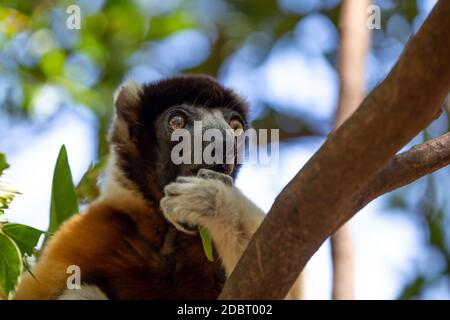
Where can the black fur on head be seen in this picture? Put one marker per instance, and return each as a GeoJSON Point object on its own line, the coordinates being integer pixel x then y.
{"type": "Point", "coordinates": [139, 138]}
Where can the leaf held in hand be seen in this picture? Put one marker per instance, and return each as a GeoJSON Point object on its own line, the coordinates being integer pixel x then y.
{"type": "Point", "coordinates": [207, 243]}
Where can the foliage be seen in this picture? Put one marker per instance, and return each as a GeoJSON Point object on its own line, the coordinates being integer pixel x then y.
{"type": "Point", "coordinates": [3, 164]}
{"type": "Point", "coordinates": [87, 189]}
{"type": "Point", "coordinates": [17, 242]}
{"type": "Point", "coordinates": [6, 195]}
{"type": "Point", "coordinates": [10, 263]}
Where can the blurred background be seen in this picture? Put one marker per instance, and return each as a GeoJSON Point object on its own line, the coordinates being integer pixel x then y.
{"type": "Point", "coordinates": [56, 87]}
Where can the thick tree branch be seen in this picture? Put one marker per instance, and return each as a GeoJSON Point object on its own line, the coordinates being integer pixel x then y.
{"type": "Point", "coordinates": [353, 48]}
{"type": "Point", "coordinates": [315, 203]}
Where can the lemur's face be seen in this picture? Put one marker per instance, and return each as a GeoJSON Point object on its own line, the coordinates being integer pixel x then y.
{"type": "Point", "coordinates": [188, 117]}
{"type": "Point", "coordinates": [147, 117]}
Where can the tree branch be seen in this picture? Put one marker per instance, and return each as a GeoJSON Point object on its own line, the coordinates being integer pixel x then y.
{"type": "Point", "coordinates": [353, 48]}
{"type": "Point", "coordinates": [315, 203]}
{"type": "Point", "coordinates": [405, 168]}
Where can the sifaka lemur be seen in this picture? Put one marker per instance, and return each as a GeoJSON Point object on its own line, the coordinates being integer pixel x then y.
{"type": "Point", "coordinates": [138, 240]}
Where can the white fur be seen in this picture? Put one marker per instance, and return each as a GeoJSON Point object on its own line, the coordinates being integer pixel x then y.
{"type": "Point", "coordinates": [115, 193]}
{"type": "Point", "coordinates": [110, 186]}
{"type": "Point", "coordinates": [86, 292]}
{"type": "Point", "coordinates": [131, 89]}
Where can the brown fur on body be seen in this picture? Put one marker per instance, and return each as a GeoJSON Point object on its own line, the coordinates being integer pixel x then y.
{"type": "Point", "coordinates": [128, 255]}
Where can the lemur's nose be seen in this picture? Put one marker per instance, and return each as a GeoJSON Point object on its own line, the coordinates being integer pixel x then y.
{"type": "Point", "coordinates": [219, 143]}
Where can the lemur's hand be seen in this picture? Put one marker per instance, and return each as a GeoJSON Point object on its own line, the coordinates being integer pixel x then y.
{"type": "Point", "coordinates": [194, 201]}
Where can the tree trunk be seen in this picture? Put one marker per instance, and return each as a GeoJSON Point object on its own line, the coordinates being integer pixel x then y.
{"type": "Point", "coordinates": [354, 43]}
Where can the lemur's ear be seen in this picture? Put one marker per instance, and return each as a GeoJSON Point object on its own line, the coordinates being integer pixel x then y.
{"type": "Point", "coordinates": [126, 100]}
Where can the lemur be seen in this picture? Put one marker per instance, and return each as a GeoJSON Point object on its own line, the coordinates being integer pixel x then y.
{"type": "Point", "coordinates": [138, 239]}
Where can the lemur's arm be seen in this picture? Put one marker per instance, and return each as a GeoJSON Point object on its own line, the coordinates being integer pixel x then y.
{"type": "Point", "coordinates": [210, 200]}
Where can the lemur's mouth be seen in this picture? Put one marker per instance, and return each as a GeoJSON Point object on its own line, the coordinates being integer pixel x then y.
{"type": "Point", "coordinates": [189, 227]}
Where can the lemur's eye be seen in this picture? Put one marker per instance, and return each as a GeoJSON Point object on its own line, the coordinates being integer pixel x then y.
{"type": "Point", "coordinates": [236, 125]}
{"type": "Point", "coordinates": [177, 122]}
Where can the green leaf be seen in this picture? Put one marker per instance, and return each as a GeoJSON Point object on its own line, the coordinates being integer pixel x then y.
{"type": "Point", "coordinates": [207, 243]}
{"type": "Point", "coordinates": [6, 197]}
{"type": "Point", "coordinates": [425, 135]}
{"type": "Point", "coordinates": [26, 237]}
{"type": "Point", "coordinates": [3, 164]}
{"type": "Point", "coordinates": [413, 288]}
{"type": "Point", "coordinates": [396, 201]}
{"type": "Point", "coordinates": [10, 263]}
{"type": "Point", "coordinates": [87, 189]}
{"type": "Point", "coordinates": [5, 200]}
{"type": "Point", "coordinates": [64, 201]}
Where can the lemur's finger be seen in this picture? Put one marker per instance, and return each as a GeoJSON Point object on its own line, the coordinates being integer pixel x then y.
{"type": "Point", "coordinates": [168, 210]}
{"type": "Point", "coordinates": [171, 190]}
{"type": "Point", "coordinates": [184, 179]}
{"type": "Point", "coordinates": [178, 188]}
{"type": "Point", "coordinates": [210, 174]}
